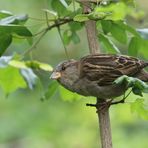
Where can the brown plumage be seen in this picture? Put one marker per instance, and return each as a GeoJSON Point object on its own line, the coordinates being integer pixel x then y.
{"type": "Point", "coordinates": [93, 75]}
{"type": "Point", "coordinates": [106, 68]}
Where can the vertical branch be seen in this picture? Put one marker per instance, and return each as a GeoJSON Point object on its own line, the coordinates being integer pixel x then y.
{"type": "Point", "coordinates": [101, 105]}
{"type": "Point", "coordinates": [104, 123]}
{"type": "Point", "coordinates": [91, 35]}
{"type": "Point", "coordinates": [90, 26]}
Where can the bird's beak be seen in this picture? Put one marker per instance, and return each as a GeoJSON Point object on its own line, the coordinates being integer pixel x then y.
{"type": "Point", "coordinates": [55, 75]}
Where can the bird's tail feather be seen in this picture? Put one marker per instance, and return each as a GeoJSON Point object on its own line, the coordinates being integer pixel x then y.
{"type": "Point", "coordinates": [142, 75]}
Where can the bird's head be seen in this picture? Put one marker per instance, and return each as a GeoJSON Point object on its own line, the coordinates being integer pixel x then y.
{"type": "Point", "coordinates": [66, 73]}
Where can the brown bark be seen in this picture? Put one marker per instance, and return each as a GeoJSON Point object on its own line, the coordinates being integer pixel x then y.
{"type": "Point", "coordinates": [101, 105]}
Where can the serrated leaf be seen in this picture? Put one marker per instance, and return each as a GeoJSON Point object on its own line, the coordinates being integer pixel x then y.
{"type": "Point", "coordinates": [52, 88]}
{"type": "Point", "coordinates": [110, 47]}
{"type": "Point", "coordinates": [139, 108]}
{"type": "Point", "coordinates": [30, 77]}
{"type": "Point", "coordinates": [11, 79]}
{"type": "Point", "coordinates": [137, 91]}
{"type": "Point", "coordinates": [138, 86]}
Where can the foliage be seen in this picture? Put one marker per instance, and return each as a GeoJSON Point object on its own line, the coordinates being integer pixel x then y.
{"type": "Point", "coordinates": [138, 86]}
{"type": "Point", "coordinates": [113, 31]}
{"type": "Point", "coordinates": [27, 53]}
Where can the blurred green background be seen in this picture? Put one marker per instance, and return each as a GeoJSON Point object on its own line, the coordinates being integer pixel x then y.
{"type": "Point", "coordinates": [28, 122]}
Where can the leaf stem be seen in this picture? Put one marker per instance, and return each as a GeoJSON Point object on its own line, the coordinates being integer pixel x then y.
{"type": "Point", "coordinates": [65, 49]}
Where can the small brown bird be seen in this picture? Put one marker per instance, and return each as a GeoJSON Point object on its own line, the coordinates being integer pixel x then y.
{"type": "Point", "coordinates": [93, 75]}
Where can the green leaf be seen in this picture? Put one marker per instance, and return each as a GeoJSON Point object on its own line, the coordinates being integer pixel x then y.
{"type": "Point", "coordinates": [138, 46]}
{"type": "Point", "coordinates": [15, 29]}
{"type": "Point", "coordinates": [18, 19]}
{"type": "Point", "coordinates": [109, 46]}
{"type": "Point", "coordinates": [30, 64]}
{"type": "Point", "coordinates": [10, 79]}
{"type": "Point", "coordinates": [128, 28]}
{"type": "Point", "coordinates": [106, 26]}
{"type": "Point", "coordinates": [137, 91]}
{"type": "Point", "coordinates": [5, 41]}
{"type": "Point", "coordinates": [118, 33]}
{"type": "Point", "coordinates": [118, 30]}
{"type": "Point", "coordinates": [139, 108]}
{"type": "Point", "coordinates": [45, 67]}
{"type": "Point", "coordinates": [67, 37]}
{"type": "Point", "coordinates": [30, 77]}
{"type": "Point", "coordinates": [18, 64]}
{"type": "Point", "coordinates": [75, 26]}
{"type": "Point", "coordinates": [98, 16]}
{"type": "Point", "coordinates": [38, 65]}
{"type": "Point", "coordinates": [117, 11]}
{"type": "Point", "coordinates": [81, 18]}
{"type": "Point", "coordinates": [138, 86]}
{"type": "Point", "coordinates": [134, 46]}
{"type": "Point", "coordinates": [52, 88]}
{"type": "Point", "coordinates": [75, 38]}
{"type": "Point", "coordinates": [59, 7]}
{"type": "Point", "coordinates": [4, 13]}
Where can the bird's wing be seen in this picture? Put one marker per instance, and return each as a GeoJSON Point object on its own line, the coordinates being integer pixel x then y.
{"type": "Point", "coordinates": [105, 68]}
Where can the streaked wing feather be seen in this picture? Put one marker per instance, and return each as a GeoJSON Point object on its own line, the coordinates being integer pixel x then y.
{"type": "Point", "coordinates": [105, 68]}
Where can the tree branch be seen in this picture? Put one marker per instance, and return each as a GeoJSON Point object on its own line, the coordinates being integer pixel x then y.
{"type": "Point", "coordinates": [45, 30]}
{"type": "Point", "coordinates": [90, 26]}
{"type": "Point", "coordinates": [101, 105]}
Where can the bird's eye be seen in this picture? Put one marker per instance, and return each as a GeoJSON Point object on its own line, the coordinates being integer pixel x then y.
{"type": "Point", "coordinates": [63, 67]}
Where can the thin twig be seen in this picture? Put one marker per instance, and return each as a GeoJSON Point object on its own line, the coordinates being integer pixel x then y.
{"type": "Point", "coordinates": [122, 100]}
{"type": "Point", "coordinates": [46, 15]}
{"type": "Point", "coordinates": [35, 44]}
{"type": "Point", "coordinates": [65, 49]}
{"type": "Point", "coordinates": [44, 31]}
{"type": "Point", "coordinates": [74, 6]}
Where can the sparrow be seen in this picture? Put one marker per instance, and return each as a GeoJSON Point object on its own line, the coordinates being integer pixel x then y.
{"type": "Point", "coordinates": [94, 75]}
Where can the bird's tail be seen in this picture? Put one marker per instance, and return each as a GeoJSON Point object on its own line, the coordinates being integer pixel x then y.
{"type": "Point", "coordinates": [142, 75]}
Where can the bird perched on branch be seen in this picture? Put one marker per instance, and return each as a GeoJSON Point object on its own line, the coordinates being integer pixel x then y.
{"type": "Point", "coordinates": [93, 75]}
